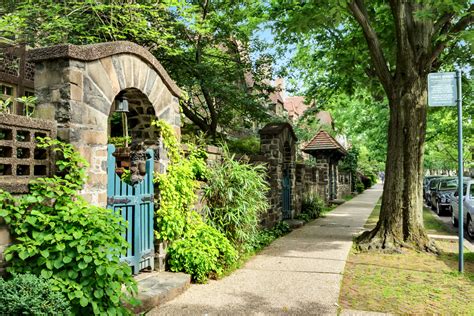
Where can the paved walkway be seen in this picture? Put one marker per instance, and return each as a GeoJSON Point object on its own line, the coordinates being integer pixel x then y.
{"type": "Point", "coordinates": [299, 273]}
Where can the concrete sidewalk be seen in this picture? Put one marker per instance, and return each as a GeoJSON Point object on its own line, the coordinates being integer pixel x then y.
{"type": "Point", "coordinates": [299, 273]}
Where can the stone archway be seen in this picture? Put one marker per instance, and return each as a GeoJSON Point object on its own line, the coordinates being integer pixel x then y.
{"type": "Point", "coordinates": [76, 86]}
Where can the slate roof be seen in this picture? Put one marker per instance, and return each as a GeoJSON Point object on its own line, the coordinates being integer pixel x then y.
{"type": "Point", "coordinates": [324, 142]}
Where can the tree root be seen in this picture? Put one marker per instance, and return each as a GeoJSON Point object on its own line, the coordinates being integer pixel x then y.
{"type": "Point", "coordinates": [379, 240]}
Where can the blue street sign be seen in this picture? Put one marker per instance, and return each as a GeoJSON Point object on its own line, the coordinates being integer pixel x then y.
{"type": "Point", "coordinates": [442, 89]}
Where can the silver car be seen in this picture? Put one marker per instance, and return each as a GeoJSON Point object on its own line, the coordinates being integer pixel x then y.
{"type": "Point", "coordinates": [468, 207]}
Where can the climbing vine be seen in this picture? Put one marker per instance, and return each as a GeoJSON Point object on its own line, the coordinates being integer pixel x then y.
{"type": "Point", "coordinates": [196, 248]}
{"type": "Point", "coordinates": [177, 185]}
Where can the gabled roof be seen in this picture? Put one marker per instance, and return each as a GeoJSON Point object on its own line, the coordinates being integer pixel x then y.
{"type": "Point", "coordinates": [324, 142]}
{"type": "Point", "coordinates": [295, 105]}
{"type": "Point", "coordinates": [325, 118]}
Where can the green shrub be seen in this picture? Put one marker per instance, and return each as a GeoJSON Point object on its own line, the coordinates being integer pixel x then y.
{"type": "Point", "coordinates": [265, 236]}
{"type": "Point", "coordinates": [202, 252]}
{"type": "Point", "coordinates": [236, 197]}
{"type": "Point", "coordinates": [359, 186]}
{"type": "Point", "coordinates": [247, 145]}
{"type": "Point", "coordinates": [303, 217]}
{"type": "Point", "coordinates": [312, 206]}
{"type": "Point", "coordinates": [61, 237]}
{"type": "Point", "coordinates": [27, 294]}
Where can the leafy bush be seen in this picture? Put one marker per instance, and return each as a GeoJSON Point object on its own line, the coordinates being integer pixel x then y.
{"type": "Point", "coordinates": [236, 197]}
{"type": "Point", "coordinates": [359, 186]}
{"type": "Point", "coordinates": [266, 236]}
{"type": "Point", "coordinates": [247, 145]}
{"type": "Point", "coordinates": [303, 217]}
{"type": "Point", "coordinates": [61, 237]}
{"type": "Point", "coordinates": [27, 294]}
{"type": "Point", "coordinates": [312, 206]}
{"type": "Point", "coordinates": [202, 252]}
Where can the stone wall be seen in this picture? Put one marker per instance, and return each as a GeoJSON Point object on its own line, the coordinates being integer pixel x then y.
{"type": "Point", "coordinates": [344, 185]}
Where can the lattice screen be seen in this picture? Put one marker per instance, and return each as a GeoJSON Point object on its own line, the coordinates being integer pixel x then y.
{"type": "Point", "coordinates": [20, 159]}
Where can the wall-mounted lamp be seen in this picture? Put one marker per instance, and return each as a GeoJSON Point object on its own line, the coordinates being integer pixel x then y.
{"type": "Point", "coordinates": [121, 103]}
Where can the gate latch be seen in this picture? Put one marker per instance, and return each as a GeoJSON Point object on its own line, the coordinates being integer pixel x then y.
{"type": "Point", "coordinates": [148, 198]}
{"type": "Point", "coordinates": [116, 200]}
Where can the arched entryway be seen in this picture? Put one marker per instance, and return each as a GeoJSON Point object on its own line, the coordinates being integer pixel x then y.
{"type": "Point", "coordinates": [76, 86]}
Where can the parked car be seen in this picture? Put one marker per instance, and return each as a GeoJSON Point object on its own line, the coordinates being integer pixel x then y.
{"type": "Point", "coordinates": [432, 184]}
{"type": "Point", "coordinates": [426, 183]}
{"type": "Point", "coordinates": [468, 208]}
{"type": "Point", "coordinates": [442, 194]}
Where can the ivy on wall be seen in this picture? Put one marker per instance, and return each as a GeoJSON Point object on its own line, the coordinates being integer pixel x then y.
{"type": "Point", "coordinates": [196, 248]}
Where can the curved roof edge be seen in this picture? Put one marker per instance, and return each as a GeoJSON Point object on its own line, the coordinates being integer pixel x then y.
{"type": "Point", "coordinates": [277, 128]}
{"type": "Point", "coordinates": [98, 51]}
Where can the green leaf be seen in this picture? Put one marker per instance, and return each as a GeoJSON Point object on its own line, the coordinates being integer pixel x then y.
{"type": "Point", "coordinates": [49, 264]}
{"type": "Point", "coordinates": [98, 293]}
{"type": "Point", "coordinates": [82, 265]}
{"type": "Point", "coordinates": [45, 253]}
{"type": "Point", "coordinates": [58, 263]}
{"type": "Point", "coordinates": [46, 274]}
{"type": "Point", "coordinates": [83, 301]}
{"type": "Point", "coordinates": [110, 270]}
{"type": "Point", "coordinates": [67, 259]}
{"type": "Point", "coordinates": [72, 274]}
{"type": "Point", "coordinates": [87, 259]}
{"type": "Point", "coordinates": [23, 255]}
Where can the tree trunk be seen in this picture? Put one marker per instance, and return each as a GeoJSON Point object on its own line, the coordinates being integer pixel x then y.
{"type": "Point", "coordinates": [401, 217]}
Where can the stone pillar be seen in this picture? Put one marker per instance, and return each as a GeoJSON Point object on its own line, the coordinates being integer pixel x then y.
{"type": "Point", "coordinates": [64, 95]}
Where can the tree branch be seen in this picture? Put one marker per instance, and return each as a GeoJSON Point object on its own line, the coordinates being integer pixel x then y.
{"type": "Point", "coordinates": [202, 124]}
{"type": "Point", "coordinates": [360, 13]}
{"type": "Point", "coordinates": [461, 25]}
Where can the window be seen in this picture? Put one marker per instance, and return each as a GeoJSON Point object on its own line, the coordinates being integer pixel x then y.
{"type": "Point", "coordinates": [6, 90]}
{"type": "Point", "coordinates": [7, 94]}
{"type": "Point", "coordinates": [29, 93]}
{"type": "Point", "coordinates": [471, 191]}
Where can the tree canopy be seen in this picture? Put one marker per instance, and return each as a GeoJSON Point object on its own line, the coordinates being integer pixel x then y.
{"type": "Point", "coordinates": [203, 44]}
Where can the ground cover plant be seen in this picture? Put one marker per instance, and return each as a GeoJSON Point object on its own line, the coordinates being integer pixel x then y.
{"type": "Point", "coordinates": [27, 294]}
{"type": "Point", "coordinates": [61, 237]}
{"type": "Point", "coordinates": [410, 282]}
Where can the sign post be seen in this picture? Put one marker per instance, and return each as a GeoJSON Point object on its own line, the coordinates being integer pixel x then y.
{"type": "Point", "coordinates": [444, 89]}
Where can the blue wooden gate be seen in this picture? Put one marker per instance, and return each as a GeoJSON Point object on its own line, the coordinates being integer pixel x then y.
{"type": "Point", "coordinates": [135, 204]}
{"type": "Point", "coordinates": [286, 188]}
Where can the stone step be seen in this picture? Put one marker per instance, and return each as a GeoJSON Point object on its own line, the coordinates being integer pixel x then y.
{"type": "Point", "coordinates": [294, 223]}
{"type": "Point", "coordinates": [157, 288]}
{"type": "Point", "coordinates": [337, 201]}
